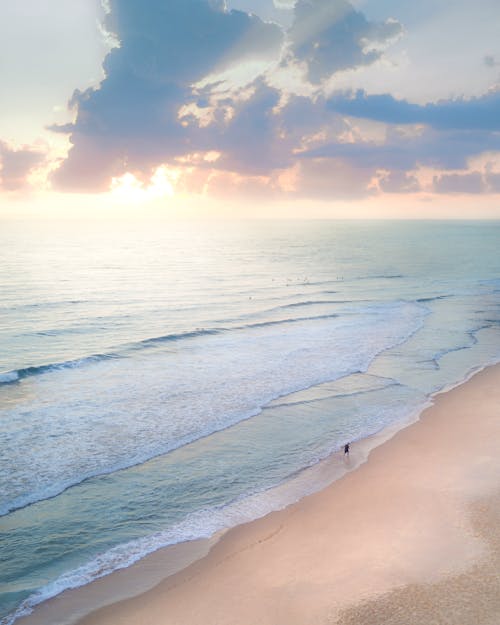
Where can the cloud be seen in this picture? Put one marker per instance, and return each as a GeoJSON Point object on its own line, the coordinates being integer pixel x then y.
{"type": "Point", "coordinates": [479, 113]}
{"type": "Point", "coordinates": [330, 35]}
{"type": "Point", "coordinates": [460, 183]}
{"type": "Point", "coordinates": [441, 150]}
{"type": "Point", "coordinates": [17, 164]}
{"type": "Point", "coordinates": [265, 134]}
{"type": "Point", "coordinates": [171, 96]}
{"type": "Point", "coordinates": [181, 41]}
{"type": "Point", "coordinates": [131, 119]}
{"type": "Point", "coordinates": [325, 178]}
{"type": "Point", "coordinates": [484, 180]}
{"type": "Point", "coordinates": [279, 12]}
{"type": "Point", "coordinates": [442, 135]}
{"type": "Point", "coordinates": [398, 182]}
{"type": "Point", "coordinates": [492, 180]}
{"type": "Point", "coordinates": [251, 142]}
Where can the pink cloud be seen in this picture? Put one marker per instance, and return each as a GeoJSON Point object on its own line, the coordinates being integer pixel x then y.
{"type": "Point", "coordinates": [16, 164]}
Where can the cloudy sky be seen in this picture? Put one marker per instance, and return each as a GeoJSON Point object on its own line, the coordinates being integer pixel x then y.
{"type": "Point", "coordinates": [266, 107]}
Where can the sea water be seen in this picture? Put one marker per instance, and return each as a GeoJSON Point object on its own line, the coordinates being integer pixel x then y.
{"type": "Point", "coordinates": [158, 380]}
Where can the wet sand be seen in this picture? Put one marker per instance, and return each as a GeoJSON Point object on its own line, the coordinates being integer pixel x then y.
{"type": "Point", "coordinates": [410, 537]}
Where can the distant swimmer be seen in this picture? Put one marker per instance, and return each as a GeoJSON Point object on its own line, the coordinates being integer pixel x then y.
{"type": "Point", "coordinates": [346, 449]}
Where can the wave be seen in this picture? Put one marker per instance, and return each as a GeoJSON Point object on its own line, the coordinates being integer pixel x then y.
{"type": "Point", "coordinates": [315, 400]}
{"type": "Point", "coordinates": [201, 524]}
{"type": "Point", "coordinates": [395, 276]}
{"type": "Point", "coordinates": [425, 300]}
{"type": "Point", "coordinates": [197, 525]}
{"type": "Point", "coordinates": [54, 488]}
{"type": "Point", "coordinates": [473, 340]}
{"type": "Point", "coordinates": [8, 377]}
{"type": "Point", "coordinates": [277, 322]}
{"type": "Point", "coordinates": [144, 344]}
{"type": "Point", "coordinates": [57, 489]}
{"type": "Point", "coordinates": [167, 338]}
{"type": "Point", "coordinates": [306, 303]}
{"type": "Point", "coordinates": [381, 276]}
{"type": "Point", "coordinates": [43, 305]}
{"type": "Point", "coordinates": [293, 306]}
{"type": "Point", "coordinates": [307, 282]}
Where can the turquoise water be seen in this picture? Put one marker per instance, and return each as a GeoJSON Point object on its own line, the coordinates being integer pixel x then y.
{"type": "Point", "coordinates": [157, 380]}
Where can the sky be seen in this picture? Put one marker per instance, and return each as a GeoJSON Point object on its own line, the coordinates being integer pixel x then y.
{"type": "Point", "coordinates": [266, 108]}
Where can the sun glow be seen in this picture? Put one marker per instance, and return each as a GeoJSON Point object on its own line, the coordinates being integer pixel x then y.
{"type": "Point", "coordinates": [129, 188]}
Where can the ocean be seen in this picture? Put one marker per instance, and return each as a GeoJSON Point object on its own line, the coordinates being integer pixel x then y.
{"type": "Point", "coordinates": [160, 381]}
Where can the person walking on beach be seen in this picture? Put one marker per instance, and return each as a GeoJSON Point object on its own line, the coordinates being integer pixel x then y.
{"type": "Point", "coordinates": [346, 449]}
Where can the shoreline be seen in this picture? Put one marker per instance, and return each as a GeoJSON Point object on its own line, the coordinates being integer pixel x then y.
{"type": "Point", "coordinates": [72, 605]}
{"type": "Point", "coordinates": [165, 572]}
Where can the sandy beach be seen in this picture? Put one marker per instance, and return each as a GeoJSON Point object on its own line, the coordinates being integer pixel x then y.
{"type": "Point", "coordinates": [410, 537]}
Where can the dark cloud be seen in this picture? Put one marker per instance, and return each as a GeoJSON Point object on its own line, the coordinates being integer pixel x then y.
{"type": "Point", "coordinates": [17, 164]}
{"type": "Point", "coordinates": [251, 142]}
{"type": "Point", "coordinates": [452, 131]}
{"type": "Point", "coordinates": [265, 135]}
{"type": "Point", "coordinates": [265, 9]}
{"type": "Point", "coordinates": [131, 120]}
{"type": "Point", "coordinates": [367, 154]}
{"type": "Point", "coordinates": [180, 41]}
{"type": "Point", "coordinates": [459, 183]}
{"type": "Point", "coordinates": [330, 35]}
{"type": "Point", "coordinates": [441, 150]}
{"type": "Point", "coordinates": [480, 113]}
{"type": "Point", "coordinates": [304, 116]}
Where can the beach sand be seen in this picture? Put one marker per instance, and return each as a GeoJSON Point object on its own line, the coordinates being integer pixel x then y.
{"type": "Point", "coordinates": [410, 537]}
